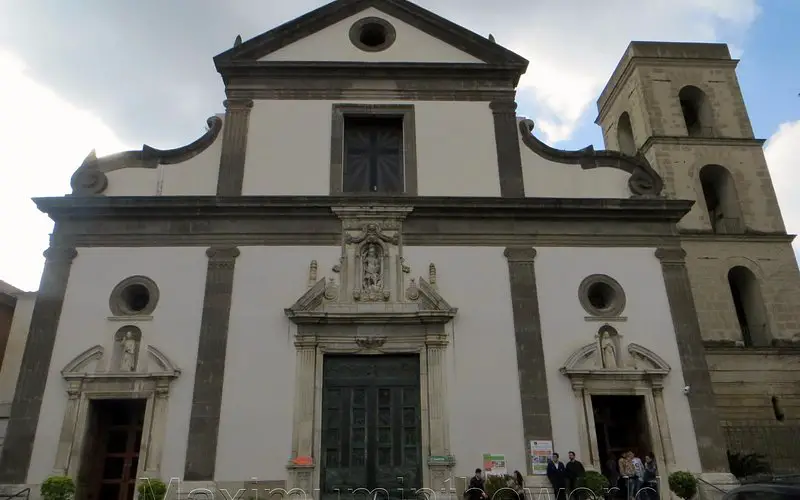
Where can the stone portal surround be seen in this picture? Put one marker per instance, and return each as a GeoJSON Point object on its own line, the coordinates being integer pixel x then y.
{"type": "Point", "coordinates": [313, 342]}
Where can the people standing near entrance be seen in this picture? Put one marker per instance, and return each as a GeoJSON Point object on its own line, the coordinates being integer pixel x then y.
{"type": "Point", "coordinates": [612, 474]}
{"type": "Point", "coordinates": [638, 467]}
{"type": "Point", "coordinates": [627, 473]}
{"type": "Point", "coordinates": [477, 489]}
{"type": "Point", "coordinates": [519, 484]}
{"type": "Point", "coordinates": [650, 477]}
{"type": "Point", "coordinates": [557, 474]}
{"type": "Point", "coordinates": [574, 472]}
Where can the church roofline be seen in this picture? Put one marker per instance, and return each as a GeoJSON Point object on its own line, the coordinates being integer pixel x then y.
{"type": "Point", "coordinates": [333, 12]}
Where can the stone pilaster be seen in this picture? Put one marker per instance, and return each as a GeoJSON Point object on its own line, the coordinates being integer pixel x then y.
{"type": "Point", "coordinates": [437, 407]}
{"type": "Point", "coordinates": [702, 403]}
{"type": "Point", "coordinates": [24, 418]}
{"type": "Point", "coordinates": [66, 438]}
{"type": "Point", "coordinates": [234, 146]}
{"type": "Point", "coordinates": [305, 389]}
{"type": "Point", "coordinates": [530, 352]}
{"type": "Point", "coordinates": [509, 159]}
{"type": "Point", "coordinates": [201, 450]}
{"type": "Point", "coordinates": [661, 416]}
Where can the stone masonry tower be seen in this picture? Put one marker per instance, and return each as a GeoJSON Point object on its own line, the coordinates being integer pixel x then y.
{"type": "Point", "coordinates": [680, 106]}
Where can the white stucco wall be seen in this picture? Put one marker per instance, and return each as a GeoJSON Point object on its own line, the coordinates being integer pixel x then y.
{"type": "Point", "coordinates": [548, 179]}
{"type": "Point", "coordinates": [174, 329]}
{"type": "Point", "coordinates": [17, 337]}
{"type": "Point", "coordinates": [559, 272]}
{"type": "Point", "coordinates": [482, 377]}
{"type": "Point", "coordinates": [194, 177]}
{"type": "Point", "coordinates": [333, 44]}
{"type": "Point", "coordinates": [289, 148]}
{"type": "Point", "coordinates": [255, 432]}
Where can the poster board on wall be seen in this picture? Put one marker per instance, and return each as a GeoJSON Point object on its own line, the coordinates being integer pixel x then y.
{"type": "Point", "coordinates": [494, 464]}
{"type": "Point", "coordinates": [541, 451]}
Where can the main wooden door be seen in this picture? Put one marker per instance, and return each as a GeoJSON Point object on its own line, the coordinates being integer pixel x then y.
{"type": "Point", "coordinates": [114, 458]}
{"type": "Point", "coordinates": [371, 429]}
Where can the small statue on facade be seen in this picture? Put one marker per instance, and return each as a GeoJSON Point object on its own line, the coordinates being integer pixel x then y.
{"type": "Point", "coordinates": [127, 361]}
{"type": "Point", "coordinates": [608, 353]}
{"type": "Point", "coordinates": [373, 275]}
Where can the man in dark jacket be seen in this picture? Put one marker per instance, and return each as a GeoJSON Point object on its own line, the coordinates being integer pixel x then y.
{"type": "Point", "coordinates": [476, 490]}
{"type": "Point", "coordinates": [574, 472]}
{"type": "Point", "coordinates": [557, 475]}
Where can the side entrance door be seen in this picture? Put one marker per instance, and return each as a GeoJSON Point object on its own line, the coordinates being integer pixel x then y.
{"type": "Point", "coordinates": [371, 432]}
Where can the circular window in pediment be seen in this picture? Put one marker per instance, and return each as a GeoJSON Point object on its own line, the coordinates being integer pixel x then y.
{"type": "Point", "coordinates": [601, 295]}
{"type": "Point", "coordinates": [372, 34]}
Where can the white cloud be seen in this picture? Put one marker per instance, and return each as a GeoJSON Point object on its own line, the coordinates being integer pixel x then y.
{"type": "Point", "coordinates": [43, 139]}
{"type": "Point", "coordinates": [785, 172]}
{"type": "Point", "coordinates": [574, 46]}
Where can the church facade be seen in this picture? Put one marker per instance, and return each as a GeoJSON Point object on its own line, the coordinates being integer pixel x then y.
{"type": "Point", "coordinates": [370, 273]}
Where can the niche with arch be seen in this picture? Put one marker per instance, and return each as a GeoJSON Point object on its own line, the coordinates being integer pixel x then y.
{"type": "Point", "coordinates": [697, 114]}
{"type": "Point", "coordinates": [627, 145]}
{"type": "Point", "coordinates": [722, 201]}
{"type": "Point", "coordinates": [125, 355]}
{"type": "Point", "coordinates": [748, 303]}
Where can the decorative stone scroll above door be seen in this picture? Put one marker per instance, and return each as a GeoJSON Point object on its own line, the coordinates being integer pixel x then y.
{"type": "Point", "coordinates": [128, 373]}
{"type": "Point", "coordinates": [370, 305]}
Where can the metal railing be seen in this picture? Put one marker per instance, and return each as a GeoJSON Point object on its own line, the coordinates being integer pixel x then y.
{"type": "Point", "coordinates": [26, 494]}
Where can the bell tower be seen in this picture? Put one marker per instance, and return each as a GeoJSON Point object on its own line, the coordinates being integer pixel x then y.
{"type": "Point", "coordinates": [680, 106]}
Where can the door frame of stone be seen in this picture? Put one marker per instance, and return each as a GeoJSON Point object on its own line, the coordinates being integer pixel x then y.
{"type": "Point", "coordinates": [83, 387]}
{"type": "Point", "coordinates": [307, 427]}
{"type": "Point", "coordinates": [642, 373]}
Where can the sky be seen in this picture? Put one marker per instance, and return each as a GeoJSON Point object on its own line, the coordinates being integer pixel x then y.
{"type": "Point", "coordinates": [110, 76]}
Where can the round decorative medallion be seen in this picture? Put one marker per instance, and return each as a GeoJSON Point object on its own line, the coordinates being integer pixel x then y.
{"type": "Point", "coordinates": [601, 295]}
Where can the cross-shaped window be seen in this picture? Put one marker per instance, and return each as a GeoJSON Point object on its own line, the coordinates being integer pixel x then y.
{"type": "Point", "coordinates": [373, 155]}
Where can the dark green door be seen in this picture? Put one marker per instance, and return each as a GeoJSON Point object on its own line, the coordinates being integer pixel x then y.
{"type": "Point", "coordinates": [371, 426]}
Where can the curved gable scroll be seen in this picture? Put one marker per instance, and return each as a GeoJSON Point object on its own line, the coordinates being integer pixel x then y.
{"type": "Point", "coordinates": [640, 363]}
{"type": "Point", "coordinates": [81, 368]}
{"type": "Point", "coordinates": [644, 180]}
{"type": "Point", "coordinates": [90, 178]}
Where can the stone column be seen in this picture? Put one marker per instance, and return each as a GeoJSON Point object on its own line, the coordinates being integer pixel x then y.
{"type": "Point", "coordinates": [530, 353]}
{"type": "Point", "coordinates": [201, 449]}
{"type": "Point", "coordinates": [702, 405]}
{"type": "Point", "coordinates": [663, 424]}
{"type": "Point", "coordinates": [234, 146]}
{"type": "Point", "coordinates": [305, 395]}
{"type": "Point", "coordinates": [158, 421]}
{"type": "Point", "coordinates": [35, 366]}
{"type": "Point", "coordinates": [66, 441]}
{"type": "Point", "coordinates": [440, 459]}
{"type": "Point", "coordinates": [509, 159]}
{"type": "Point", "coordinates": [585, 449]}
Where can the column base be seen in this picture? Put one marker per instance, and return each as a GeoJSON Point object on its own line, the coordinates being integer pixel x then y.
{"type": "Point", "coordinates": [713, 485]}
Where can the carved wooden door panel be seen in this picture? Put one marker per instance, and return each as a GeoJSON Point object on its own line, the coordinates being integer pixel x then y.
{"type": "Point", "coordinates": [371, 429]}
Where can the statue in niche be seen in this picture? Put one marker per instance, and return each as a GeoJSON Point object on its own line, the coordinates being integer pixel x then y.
{"type": "Point", "coordinates": [373, 272]}
{"type": "Point", "coordinates": [127, 360]}
{"type": "Point", "coordinates": [608, 352]}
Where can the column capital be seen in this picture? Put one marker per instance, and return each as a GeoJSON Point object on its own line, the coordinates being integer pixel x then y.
{"type": "Point", "coordinates": [60, 254]}
{"type": "Point", "coordinates": [671, 255]}
{"type": "Point", "coordinates": [520, 254]}
{"type": "Point", "coordinates": [503, 106]}
{"type": "Point", "coordinates": [238, 104]}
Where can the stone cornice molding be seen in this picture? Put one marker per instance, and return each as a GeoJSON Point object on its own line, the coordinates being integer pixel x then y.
{"type": "Point", "coordinates": [644, 180]}
{"type": "Point", "coordinates": [90, 178]}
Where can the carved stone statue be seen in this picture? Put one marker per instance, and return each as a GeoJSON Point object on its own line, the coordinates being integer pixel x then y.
{"type": "Point", "coordinates": [373, 272]}
{"type": "Point", "coordinates": [608, 353]}
{"type": "Point", "coordinates": [127, 361]}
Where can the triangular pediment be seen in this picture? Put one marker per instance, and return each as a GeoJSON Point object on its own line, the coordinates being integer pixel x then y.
{"type": "Point", "coordinates": [596, 360]}
{"type": "Point", "coordinates": [323, 35]}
